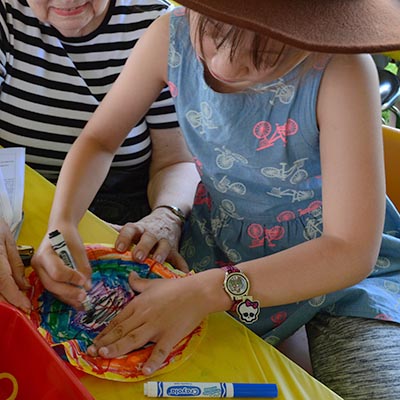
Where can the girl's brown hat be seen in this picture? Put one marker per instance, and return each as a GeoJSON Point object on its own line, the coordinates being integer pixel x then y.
{"type": "Point", "coordinates": [329, 26]}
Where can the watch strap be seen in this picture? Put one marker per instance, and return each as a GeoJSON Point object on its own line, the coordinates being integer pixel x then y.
{"type": "Point", "coordinates": [175, 210]}
{"type": "Point", "coordinates": [246, 308]}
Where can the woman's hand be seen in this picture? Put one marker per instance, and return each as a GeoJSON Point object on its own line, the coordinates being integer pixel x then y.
{"type": "Point", "coordinates": [65, 283]}
{"type": "Point", "coordinates": [164, 313]}
{"type": "Point", "coordinates": [159, 233]}
{"type": "Point", "coordinates": [12, 271]}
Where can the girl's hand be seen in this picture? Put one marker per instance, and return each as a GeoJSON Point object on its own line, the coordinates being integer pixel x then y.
{"type": "Point", "coordinates": [158, 232]}
{"type": "Point", "coordinates": [12, 271]}
{"type": "Point", "coordinates": [65, 283]}
{"type": "Point", "coordinates": [164, 313]}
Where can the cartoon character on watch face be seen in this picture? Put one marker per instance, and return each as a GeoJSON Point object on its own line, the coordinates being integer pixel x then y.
{"type": "Point", "coordinates": [248, 311]}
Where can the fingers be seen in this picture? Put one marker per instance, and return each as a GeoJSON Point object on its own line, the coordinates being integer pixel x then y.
{"type": "Point", "coordinates": [148, 243]}
{"type": "Point", "coordinates": [115, 226]}
{"type": "Point", "coordinates": [117, 346]}
{"type": "Point", "coordinates": [124, 337]}
{"type": "Point", "coordinates": [156, 233]}
{"type": "Point", "coordinates": [67, 284]}
{"type": "Point", "coordinates": [144, 246]}
{"type": "Point", "coordinates": [123, 333]}
{"type": "Point", "coordinates": [17, 266]}
{"type": "Point", "coordinates": [71, 294]}
{"type": "Point", "coordinates": [128, 234]}
{"type": "Point", "coordinates": [128, 341]}
{"type": "Point", "coordinates": [10, 291]}
{"type": "Point", "coordinates": [138, 284]}
{"type": "Point", "coordinates": [12, 272]}
{"type": "Point", "coordinates": [118, 326]}
{"type": "Point", "coordinates": [178, 261]}
{"type": "Point", "coordinates": [116, 331]}
{"type": "Point", "coordinates": [159, 354]}
{"type": "Point", "coordinates": [149, 318]}
{"type": "Point", "coordinates": [85, 270]}
{"type": "Point", "coordinates": [55, 270]}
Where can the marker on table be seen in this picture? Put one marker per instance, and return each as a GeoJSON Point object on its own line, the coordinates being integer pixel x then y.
{"type": "Point", "coordinates": [210, 389]}
{"type": "Point", "coordinates": [60, 247]}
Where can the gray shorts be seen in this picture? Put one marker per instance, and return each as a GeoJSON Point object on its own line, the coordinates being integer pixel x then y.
{"type": "Point", "coordinates": [357, 358]}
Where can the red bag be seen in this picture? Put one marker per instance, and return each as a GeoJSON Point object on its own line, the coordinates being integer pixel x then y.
{"type": "Point", "coordinates": [29, 367]}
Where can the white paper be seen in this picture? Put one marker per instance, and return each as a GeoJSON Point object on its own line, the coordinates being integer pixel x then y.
{"type": "Point", "coordinates": [12, 176]}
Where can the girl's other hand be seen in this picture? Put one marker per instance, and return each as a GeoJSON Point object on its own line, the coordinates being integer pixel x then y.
{"type": "Point", "coordinates": [164, 313]}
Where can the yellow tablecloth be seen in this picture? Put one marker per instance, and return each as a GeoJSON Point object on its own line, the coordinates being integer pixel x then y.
{"type": "Point", "coordinates": [229, 352]}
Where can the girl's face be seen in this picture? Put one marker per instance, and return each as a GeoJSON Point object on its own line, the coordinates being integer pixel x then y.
{"type": "Point", "coordinates": [72, 18]}
{"type": "Point", "coordinates": [242, 65]}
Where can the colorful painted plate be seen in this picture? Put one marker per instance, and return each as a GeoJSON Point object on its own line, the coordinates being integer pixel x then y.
{"type": "Point", "coordinates": [62, 325]}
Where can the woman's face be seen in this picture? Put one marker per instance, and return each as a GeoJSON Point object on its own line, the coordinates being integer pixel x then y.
{"type": "Point", "coordinates": [240, 73]}
{"type": "Point", "coordinates": [72, 18]}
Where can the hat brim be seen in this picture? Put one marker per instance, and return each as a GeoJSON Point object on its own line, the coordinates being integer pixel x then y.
{"type": "Point", "coordinates": [333, 26]}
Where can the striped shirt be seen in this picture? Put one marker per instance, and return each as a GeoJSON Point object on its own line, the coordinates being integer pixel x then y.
{"type": "Point", "coordinates": [51, 84]}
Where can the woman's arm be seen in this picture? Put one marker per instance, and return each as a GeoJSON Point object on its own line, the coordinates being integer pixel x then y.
{"type": "Point", "coordinates": [171, 165]}
{"type": "Point", "coordinates": [173, 181]}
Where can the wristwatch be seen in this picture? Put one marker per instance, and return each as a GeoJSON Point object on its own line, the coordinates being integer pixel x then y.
{"type": "Point", "coordinates": [237, 286]}
{"type": "Point", "coordinates": [175, 210]}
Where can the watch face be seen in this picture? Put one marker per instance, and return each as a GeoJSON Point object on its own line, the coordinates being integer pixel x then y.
{"type": "Point", "coordinates": [237, 284]}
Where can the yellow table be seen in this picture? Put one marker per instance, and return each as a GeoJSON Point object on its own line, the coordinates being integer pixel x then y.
{"type": "Point", "coordinates": [229, 352]}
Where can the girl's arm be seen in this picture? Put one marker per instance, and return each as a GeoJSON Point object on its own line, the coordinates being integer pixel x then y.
{"type": "Point", "coordinates": [89, 159]}
{"type": "Point", "coordinates": [353, 193]}
{"type": "Point", "coordinates": [353, 214]}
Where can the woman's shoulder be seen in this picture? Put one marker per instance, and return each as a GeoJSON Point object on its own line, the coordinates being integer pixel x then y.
{"type": "Point", "coordinates": [20, 5]}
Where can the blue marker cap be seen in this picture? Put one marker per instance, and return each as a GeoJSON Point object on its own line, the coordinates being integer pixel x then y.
{"type": "Point", "coordinates": [266, 390]}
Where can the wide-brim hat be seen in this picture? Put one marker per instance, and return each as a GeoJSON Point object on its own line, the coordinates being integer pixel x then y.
{"type": "Point", "coordinates": [328, 26]}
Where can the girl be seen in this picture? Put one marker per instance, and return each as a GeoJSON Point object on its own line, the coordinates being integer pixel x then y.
{"type": "Point", "coordinates": [287, 222]}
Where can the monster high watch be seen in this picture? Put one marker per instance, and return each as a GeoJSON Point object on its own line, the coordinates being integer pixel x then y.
{"type": "Point", "coordinates": [237, 286]}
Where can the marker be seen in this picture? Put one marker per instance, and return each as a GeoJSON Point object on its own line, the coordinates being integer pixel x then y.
{"type": "Point", "coordinates": [210, 389]}
{"type": "Point", "coordinates": [60, 247]}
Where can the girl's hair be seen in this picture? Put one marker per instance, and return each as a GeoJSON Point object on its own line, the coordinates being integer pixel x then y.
{"type": "Point", "coordinates": [265, 51]}
{"type": "Point", "coordinates": [261, 46]}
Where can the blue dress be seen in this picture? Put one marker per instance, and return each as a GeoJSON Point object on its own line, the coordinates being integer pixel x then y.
{"type": "Point", "coordinates": [260, 192]}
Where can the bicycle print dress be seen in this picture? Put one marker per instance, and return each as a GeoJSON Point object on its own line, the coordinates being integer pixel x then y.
{"type": "Point", "coordinates": [258, 157]}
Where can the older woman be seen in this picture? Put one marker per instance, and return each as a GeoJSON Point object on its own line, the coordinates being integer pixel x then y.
{"type": "Point", "coordinates": [58, 59]}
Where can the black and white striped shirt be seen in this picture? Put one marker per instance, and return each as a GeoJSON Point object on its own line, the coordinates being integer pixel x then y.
{"type": "Point", "coordinates": [51, 85]}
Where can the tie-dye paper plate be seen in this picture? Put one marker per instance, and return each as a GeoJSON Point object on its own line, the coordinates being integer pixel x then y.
{"type": "Point", "coordinates": [62, 325]}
